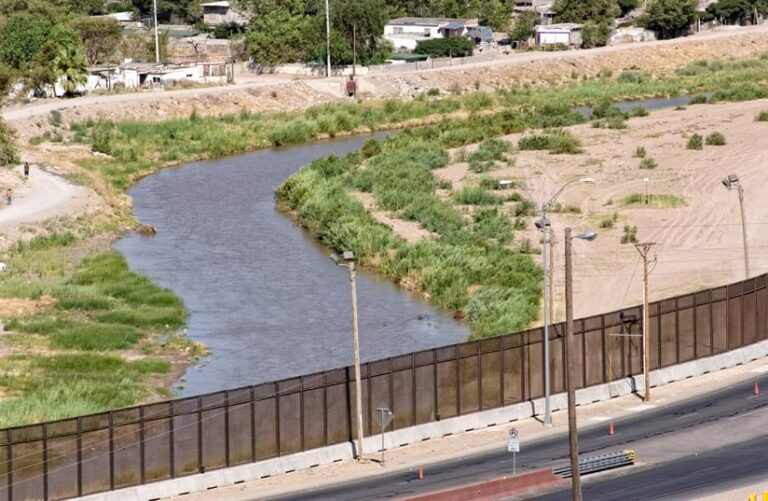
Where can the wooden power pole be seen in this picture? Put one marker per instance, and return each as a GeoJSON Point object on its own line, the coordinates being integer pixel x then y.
{"type": "Point", "coordinates": [644, 249]}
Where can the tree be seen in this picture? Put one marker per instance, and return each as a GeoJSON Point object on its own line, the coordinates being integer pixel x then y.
{"type": "Point", "coordinates": [595, 34]}
{"type": "Point", "coordinates": [443, 47]}
{"type": "Point", "coordinates": [188, 11]}
{"type": "Point", "coordinates": [628, 6]}
{"type": "Point", "coordinates": [70, 67]}
{"type": "Point", "coordinates": [100, 37]}
{"type": "Point", "coordinates": [735, 11]}
{"type": "Point", "coordinates": [525, 27]}
{"type": "Point", "coordinates": [22, 38]}
{"type": "Point", "coordinates": [278, 37]}
{"type": "Point", "coordinates": [669, 18]}
{"type": "Point", "coordinates": [579, 11]}
{"type": "Point", "coordinates": [365, 20]}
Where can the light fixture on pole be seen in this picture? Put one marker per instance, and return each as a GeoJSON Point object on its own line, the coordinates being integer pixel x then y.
{"type": "Point", "coordinates": [573, 437]}
{"type": "Point", "coordinates": [348, 260]}
{"type": "Point", "coordinates": [544, 226]}
{"type": "Point", "coordinates": [732, 182]}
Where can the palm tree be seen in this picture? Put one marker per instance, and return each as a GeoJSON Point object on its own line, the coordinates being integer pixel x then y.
{"type": "Point", "coordinates": [71, 67]}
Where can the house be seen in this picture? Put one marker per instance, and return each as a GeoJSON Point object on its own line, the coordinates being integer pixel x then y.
{"type": "Point", "coordinates": [223, 13]}
{"type": "Point", "coordinates": [566, 34]}
{"type": "Point", "coordinates": [406, 32]}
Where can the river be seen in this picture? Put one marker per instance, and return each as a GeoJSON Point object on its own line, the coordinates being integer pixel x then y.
{"type": "Point", "coordinates": [262, 293]}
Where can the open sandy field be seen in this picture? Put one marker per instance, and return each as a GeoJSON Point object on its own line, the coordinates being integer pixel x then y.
{"type": "Point", "coordinates": [698, 245]}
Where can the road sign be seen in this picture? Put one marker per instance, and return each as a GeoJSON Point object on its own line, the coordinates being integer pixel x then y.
{"type": "Point", "coordinates": [513, 444]}
{"type": "Point", "coordinates": [513, 432]}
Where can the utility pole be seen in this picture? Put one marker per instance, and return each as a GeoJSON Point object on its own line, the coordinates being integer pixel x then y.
{"type": "Point", "coordinates": [354, 50]}
{"type": "Point", "coordinates": [348, 260]}
{"type": "Point", "coordinates": [744, 231]}
{"type": "Point", "coordinates": [356, 341]}
{"type": "Point", "coordinates": [552, 242]}
{"type": "Point", "coordinates": [644, 249]}
{"type": "Point", "coordinates": [573, 437]}
{"type": "Point", "coordinates": [327, 39]}
{"type": "Point", "coordinates": [157, 37]}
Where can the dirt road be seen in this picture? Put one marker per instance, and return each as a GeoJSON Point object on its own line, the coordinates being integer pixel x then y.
{"type": "Point", "coordinates": [43, 197]}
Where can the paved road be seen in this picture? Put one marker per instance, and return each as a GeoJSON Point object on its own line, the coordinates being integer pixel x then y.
{"type": "Point", "coordinates": [693, 478]}
{"type": "Point", "coordinates": [665, 427]}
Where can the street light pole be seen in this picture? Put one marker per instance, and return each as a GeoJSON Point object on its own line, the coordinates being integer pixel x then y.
{"type": "Point", "coordinates": [350, 263]}
{"type": "Point", "coordinates": [544, 226]}
{"type": "Point", "coordinates": [731, 182]}
{"type": "Point", "coordinates": [573, 436]}
{"type": "Point", "coordinates": [644, 249]}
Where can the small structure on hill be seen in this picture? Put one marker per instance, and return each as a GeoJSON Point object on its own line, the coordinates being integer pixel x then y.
{"type": "Point", "coordinates": [406, 32]}
{"type": "Point", "coordinates": [565, 34]}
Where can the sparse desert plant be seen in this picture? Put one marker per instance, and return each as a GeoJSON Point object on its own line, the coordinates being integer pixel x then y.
{"type": "Point", "coordinates": [638, 112]}
{"type": "Point", "coordinates": [640, 152]}
{"type": "Point", "coordinates": [762, 116]}
{"type": "Point", "coordinates": [698, 99]}
{"type": "Point", "coordinates": [656, 201]}
{"type": "Point", "coordinates": [630, 234]}
{"type": "Point", "coordinates": [607, 222]}
{"type": "Point", "coordinates": [558, 141]}
{"type": "Point", "coordinates": [648, 163]}
{"type": "Point", "coordinates": [475, 195]}
{"type": "Point", "coordinates": [695, 142]}
{"type": "Point", "coordinates": [716, 139]}
{"type": "Point", "coordinates": [631, 77]}
{"type": "Point", "coordinates": [433, 92]}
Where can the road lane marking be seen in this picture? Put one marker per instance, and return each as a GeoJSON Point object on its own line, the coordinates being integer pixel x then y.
{"type": "Point", "coordinates": [600, 419]}
{"type": "Point", "coordinates": [760, 370]}
{"type": "Point", "coordinates": [643, 407]}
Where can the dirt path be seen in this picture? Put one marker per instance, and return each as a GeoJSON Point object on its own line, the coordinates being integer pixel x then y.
{"type": "Point", "coordinates": [43, 197]}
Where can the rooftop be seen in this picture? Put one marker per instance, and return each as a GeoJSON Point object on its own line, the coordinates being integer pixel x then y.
{"type": "Point", "coordinates": [215, 4]}
{"type": "Point", "coordinates": [430, 21]}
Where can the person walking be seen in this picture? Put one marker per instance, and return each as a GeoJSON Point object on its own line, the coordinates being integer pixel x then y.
{"type": "Point", "coordinates": [26, 171]}
{"type": "Point", "coordinates": [8, 196]}
{"type": "Point", "coordinates": [351, 87]}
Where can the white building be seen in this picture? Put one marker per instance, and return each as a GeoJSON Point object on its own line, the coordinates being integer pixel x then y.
{"type": "Point", "coordinates": [566, 34]}
{"type": "Point", "coordinates": [406, 32]}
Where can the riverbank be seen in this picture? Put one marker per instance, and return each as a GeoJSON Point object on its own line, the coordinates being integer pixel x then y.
{"type": "Point", "coordinates": [470, 269]}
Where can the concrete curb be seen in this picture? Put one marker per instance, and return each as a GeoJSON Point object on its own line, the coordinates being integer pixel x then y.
{"type": "Point", "coordinates": [496, 489]}
{"type": "Point", "coordinates": [345, 451]}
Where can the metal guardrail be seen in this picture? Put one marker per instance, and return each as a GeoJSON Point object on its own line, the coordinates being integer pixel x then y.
{"type": "Point", "coordinates": [599, 463]}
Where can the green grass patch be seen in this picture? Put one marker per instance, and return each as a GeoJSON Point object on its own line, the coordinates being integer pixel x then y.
{"type": "Point", "coordinates": [762, 116]}
{"type": "Point", "coordinates": [475, 195]}
{"type": "Point", "coordinates": [656, 201]}
{"type": "Point", "coordinates": [557, 142]}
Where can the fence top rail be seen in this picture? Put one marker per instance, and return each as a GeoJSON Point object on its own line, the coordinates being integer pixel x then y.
{"type": "Point", "coordinates": [345, 375]}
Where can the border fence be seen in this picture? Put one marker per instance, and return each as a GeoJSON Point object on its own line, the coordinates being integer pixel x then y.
{"type": "Point", "coordinates": [147, 443]}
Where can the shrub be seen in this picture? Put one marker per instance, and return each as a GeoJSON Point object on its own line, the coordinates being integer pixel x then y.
{"type": "Point", "coordinates": [762, 116]}
{"type": "Point", "coordinates": [639, 111]}
{"type": "Point", "coordinates": [640, 152]}
{"type": "Point", "coordinates": [433, 92]}
{"type": "Point", "coordinates": [444, 47]}
{"type": "Point", "coordinates": [630, 235]}
{"type": "Point", "coordinates": [648, 163]}
{"type": "Point", "coordinates": [607, 222]}
{"type": "Point", "coordinates": [635, 77]}
{"type": "Point", "coordinates": [298, 130]}
{"type": "Point", "coordinates": [55, 118]}
{"type": "Point", "coordinates": [475, 195]}
{"type": "Point", "coordinates": [698, 99]}
{"type": "Point", "coordinates": [496, 147]}
{"type": "Point", "coordinates": [371, 148]}
{"type": "Point", "coordinates": [492, 224]}
{"type": "Point", "coordinates": [559, 141]}
{"type": "Point", "coordinates": [716, 139]}
{"type": "Point", "coordinates": [610, 123]}
{"type": "Point", "coordinates": [695, 142]}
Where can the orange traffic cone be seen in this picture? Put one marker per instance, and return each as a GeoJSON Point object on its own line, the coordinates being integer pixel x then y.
{"type": "Point", "coordinates": [611, 430]}
{"type": "Point", "coordinates": [421, 473]}
{"type": "Point", "coordinates": [757, 389]}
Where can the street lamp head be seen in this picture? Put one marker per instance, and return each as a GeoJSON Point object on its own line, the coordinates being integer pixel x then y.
{"type": "Point", "coordinates": [505, 183]}
{"type": "Point", "coordinates": [587, 180]}
{"type": "Point", "coordinates": [587, 235]}
{"type": "Point", "coordinates": [349, 256]}
{"type": "Point", "coordinates": [543, 223]}
{"type": "Point", "coordinates": [729, 181]}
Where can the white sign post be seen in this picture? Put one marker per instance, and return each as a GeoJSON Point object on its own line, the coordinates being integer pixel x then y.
{"type": "Point", "coordinates": [513, 446]}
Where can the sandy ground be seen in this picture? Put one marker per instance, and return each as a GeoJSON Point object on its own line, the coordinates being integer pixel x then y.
{"type": "Point", "coordinates": [697, 246]}
{"type": "Point", "coordinates": [410, 457]}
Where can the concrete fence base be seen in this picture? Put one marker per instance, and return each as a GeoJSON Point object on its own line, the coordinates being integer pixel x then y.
{"type": "Point", "coordinates": [414, 434]}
